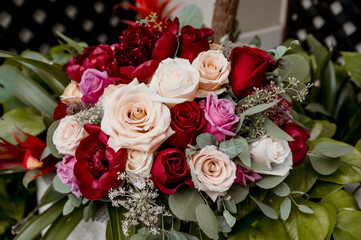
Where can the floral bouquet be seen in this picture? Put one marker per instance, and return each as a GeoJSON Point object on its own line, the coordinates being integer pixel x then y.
{"type": "Point", "coordinates": [182, 138]}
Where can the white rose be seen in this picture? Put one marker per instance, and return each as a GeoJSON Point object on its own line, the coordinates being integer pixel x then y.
{"type": "Point", "coordinates": [175, 81]}
{"type": "Point", "coordinates": [139, 163]}
{"type": "Point", "coordinates": [71, 94]}
{"type": "Point", "coordinates": [68, 135]}
{"type": "Point", "coordinates": [212, 171]}
{"type": "Point", "coordinates": [273, 152]}
{"type": "Point", "coordinates": [213, 69]}
{"type": "Point", "coordinates": [132, 120]}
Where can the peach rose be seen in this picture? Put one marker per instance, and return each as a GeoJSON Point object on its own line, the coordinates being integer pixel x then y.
{"type": "Point", "coordinates": [68, 135]}
{"type": "Point", "coordinates": [139, 163]}
{"type": "Point", "coordinates": [213, 69]}
{"type": "Point", "coordinates": [132, 120]}
{"type": "Point", "coordinates": [212, 171]}
{"type": "Point", "coordinates": [175, 81]}
{"type": "Point", "coordinates": [274, 153]}
{"type": "Point", "coordinates": [71, 94]}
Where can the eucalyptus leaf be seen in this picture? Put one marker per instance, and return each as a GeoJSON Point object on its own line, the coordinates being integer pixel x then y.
{"type": "Point", "coordinates": [256, 41]}
{"type": "Point", "coordinates": [244, 155]}
{"type": "Point", "coordinates": [268, 182]}
{"type": "Point", "coordinates": [280, 51]}
{"type": "Point", "coordinates": [231, 220]}
{"type": "Point", "coordinates": [282, 190]}
{"type": "Point", "coordinates": [332, 150]}
{"type": "Point", "coordinates": [285, 208]}
{"type": "Point", "coordinates": [274, 131]}
{"type": "Point", "coordinates": [174, 235]}
{"type": "Point", "coordinates": [45, 153]}
{"type": "Point", "coordinates": [190, 15]}
{"type": "Point", "coordinates": [294, 66]}
{"type": "Point", "coordinates": [139, 236]}
{"type": "Point", "coordinates": [60, 186]}
{"type": "Point", "coordinates": [316, 107]}
{"type": "Point", "coordinates": [76, 201]}
{"type": "Point", "coordinates": [184, 202]}
{"type": "Point", "coordinates": [49, 139]}
{"type": "Point", "coordinates": [323, 164]}
{"type": "Point", "coordinates": [230, 205]}
{"type": "Point", "coordinates": [222, 225]}
{"type": "Point", "coordinates": [207, 221]}
{"type": "Point", "coordinates": [68, 207]}
{"type": "Point", "coordinates": [233, 147]}
{"type": "Point", "coordinates": [238, 193]}
{"type": "Point", "coordinates": [305, 209]}
{"type": "Point", "coordinates": [206, 139]}
{"type": "Point", "coordinates": [266, 209]}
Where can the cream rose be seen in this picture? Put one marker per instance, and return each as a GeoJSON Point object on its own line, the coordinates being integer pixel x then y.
{"type": "Point", "coordinates": [274, 153]}
{"type": "Point", "coordinates": [71, 94]}
{"type": "Point", "coordinates": [213, 69]}
{"type": "Point", "coordinates": [212, 171]}
{"type": "Point", "coordinates": [175, 81]}
{"type": "Point", "coordinates": [132, 120]}
{"type": "Point", "coordinates": [68, 135]}
{"type": "Point", "coordinates": [139, 163]}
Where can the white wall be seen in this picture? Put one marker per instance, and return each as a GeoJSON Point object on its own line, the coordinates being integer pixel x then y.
{"type": "Point", "coordinates": [266, 18]}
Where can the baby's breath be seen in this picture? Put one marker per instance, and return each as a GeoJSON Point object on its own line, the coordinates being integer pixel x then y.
{"type": "Point", "coordinates": [91, 114]}
{"type": "Point", "coordinates": [151, 21]}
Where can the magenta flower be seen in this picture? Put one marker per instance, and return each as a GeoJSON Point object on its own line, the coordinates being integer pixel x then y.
{"type": "Point", "coordinates": [244, 174]}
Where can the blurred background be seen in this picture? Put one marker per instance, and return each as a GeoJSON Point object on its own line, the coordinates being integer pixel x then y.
{"type": "Point", "coordinates": [26, 24]}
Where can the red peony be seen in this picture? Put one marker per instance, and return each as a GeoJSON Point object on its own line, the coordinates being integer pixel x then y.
{"type": "Point", "coordinates": [299, 146]}
{"type": "Point", "coordinates": [248, 69]}
{"type": "Point", "coordinates": [60, 111]}
{"type": "Point", "coordinates": [97, 165]}
{"type": "Point", "coordinates": [141, 48]}
{"type": "Point", "coordinates": [170, 170]}
{"type": "Point", "coordinates": [187, 122]}
{"type": "Point", "coordinates": [193, 41]}
{"type": "Point", "coordinates": [97, 57]}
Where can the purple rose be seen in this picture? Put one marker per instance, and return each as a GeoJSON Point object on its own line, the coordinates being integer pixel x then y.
{"type": "Point", "coordinates": [244, 174]}
{"type": "Point", "coordinates": [220, 116]}
{"type": "Point", "coordinates": [65, 172]}
{"type": "Point", "coordinates": [92, 85]}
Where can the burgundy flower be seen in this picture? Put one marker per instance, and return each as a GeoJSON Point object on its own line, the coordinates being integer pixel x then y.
{"type": "Point", "coordinates": [244, 174]}
{"type": "Point", "coordinates": [248, 69]}
{"type": "Point", "coordinates": [193, 41]}
{"type": "Point", "coordinates": [187, 122]}
{"type": "Point", "coordinates": [97, 57]}
{"type": "Point", "coordinates": [299, 146]}
{"type": "Point", "coordinates": [140, 50]}
{"type": "Point", "coordinates": [60, 111]}
{"type": "Point", "coordinates": [170, 170]}
{"type": "Point", "coordinates": [97, 165]}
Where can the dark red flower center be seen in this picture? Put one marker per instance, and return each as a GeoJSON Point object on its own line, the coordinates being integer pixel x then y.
{"type": "Point", "coordinates": [98, 164]}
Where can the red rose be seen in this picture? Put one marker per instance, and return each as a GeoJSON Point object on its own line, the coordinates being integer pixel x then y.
{"type": "Point", "coordinates": [60, 111]}
{"type": "Point", "coordinates": [193, 41]}
{"type": "Point", "coordinates": [170, 170]}
{"type": "Point", "coordinates": [141, 48]}
{"type": "Point", "coordinates": [97, 165]}
{"type": "Point", "coordinates": [299, 146]}
{"type": "Point", "coordinates": [248, 69]}
{"type": "Point", "coordinates": [97, 57]}
{"type": "Point", "coordinates": [187, 122]}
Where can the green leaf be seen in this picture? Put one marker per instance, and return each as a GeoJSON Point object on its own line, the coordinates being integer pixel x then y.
{"type": "Point", "coordinates": [68, 207]}
{"type": "Point", "coordinates": [352, 63]}
{"type": "Point", "coordinates": [256, 41]}
{"type": "Point", "coordinates": [206, 139]}
{"type": "Point", "coordinates": [266, 209]}
{"type": "Point", "coordinates": [244, 155]}
{"type": "Point", "coordinates": [60, 186]}
{"type": "Point", "coordinates": [282, 190]}
{"type": "Point", "coordinates": [230, 205]}
{"type": "Point", "coordinates": [341, 201]}
{"type": "Point", "coordinates": [25, 119]}
{"type": "Point", "coordinates": [191, 15]}
{"type": "Point", "coordinates": [332, 215]}
{"type": "Point", "coordinates": [89, 212]}
{"type": "Point", "coordinates": [116, 216]}
{"type": "Point", "coordinates": [138, 237]}
{"type": "Point", "coordinates": [322, 128]}
{"type": "Point", "coordinates": [76, 201]}
{"type": "Point", "coordinates": [49, 139]}
{"type": "Point", "coordinates": [184, 202]}
{"type": "Point", "coordinates": [280, 51]}
{"type": "Point", "coordinates": [222, 225]}
{"type": "Point", "coordinates": [285, 208]}
{"type": "Point", "coordinates": [233, 147]}
{"type": "Point", "coordinates": [268, 182]}
{"type": "Point", "coordinates": [338, 234]}
{"type": "Point", "coordinates": [349, 222]}
{"type": "Point", "coordinates": [323, 189]}
{"type": "Point", "coordinates": [207, 221]}
{"type": "Point", "coordinates": [229, 218]}
{"type": "Point", "coordinates": [174, 235]}
{"type": "Point", "coordinates": [238, 193]}
{"type": "Point", "coordinates": [37, 224]}
{"type": "Point", "coordinates": [274, 131]}
{"type": "Point", "coordinates": [302, 177]}
{"type": "Point", "coordinates": [63, 226]}
{"type": "Point", "coordinates": [294, 65]}
{"type": "Point", "coordinates": [316, 107]}
{"type": "Point", "coordinates": [305, 209]}
{"type": "Point", "coordinates": [78, 47]}
{"type": "Point", "coordinates": [324, 165]}
{"type": "Point", "coordinates": [333, 150]}
{"type": "Point", "coordinates": [27, 90]}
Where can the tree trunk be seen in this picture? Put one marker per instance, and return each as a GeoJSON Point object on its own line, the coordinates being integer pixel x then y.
{"type": "Point", "coordinates": [224, 16]}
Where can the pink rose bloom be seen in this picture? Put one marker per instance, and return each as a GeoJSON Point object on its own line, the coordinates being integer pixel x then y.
{"type": "Point", "coordinates": [220, 116]}
{"type": "Point", "coordinates": [65, 172]}
{"type": "Point", "coordinates": [244, 174]}
{"type": "Point", "coordinates": [92, 85]}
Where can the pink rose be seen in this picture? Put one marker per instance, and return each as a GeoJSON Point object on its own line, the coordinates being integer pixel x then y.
{"type": "Point", "coordinates": [220, 116]}
{"type": "Point", "coordinates": [92, 85]}
{"type": "Point", "coordinates": [65, 172]}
